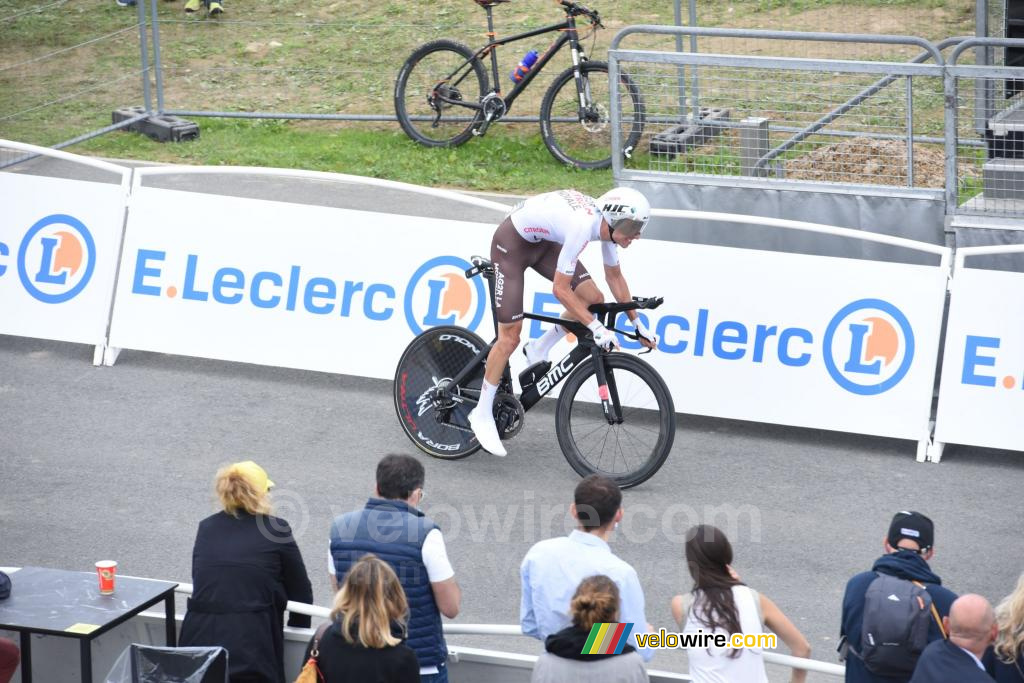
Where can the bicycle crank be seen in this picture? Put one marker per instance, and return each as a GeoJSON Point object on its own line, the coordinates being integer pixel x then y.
{"type": "Point", "coordinates": [509, 415]}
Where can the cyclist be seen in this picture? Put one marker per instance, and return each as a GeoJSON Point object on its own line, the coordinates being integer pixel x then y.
{"type": "Point", "coordinates": [548, 233]}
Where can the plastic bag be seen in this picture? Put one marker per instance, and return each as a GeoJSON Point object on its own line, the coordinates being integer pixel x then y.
{"type": "Point", "coordinates": [150, 664]}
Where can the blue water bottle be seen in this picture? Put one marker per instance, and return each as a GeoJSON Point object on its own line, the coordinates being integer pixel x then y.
{"type": "Point", "coordinates": [524, 66]}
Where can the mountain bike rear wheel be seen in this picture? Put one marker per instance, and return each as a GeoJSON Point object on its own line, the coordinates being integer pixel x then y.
{"type": "Point", "coordinates": [587, 144]}
{"type": "Point", "coordinates": [630, 452]}
{"type": "Point", "coordinates": [427, 413]}
{"type": "Point", "coordinates": [426, 89]}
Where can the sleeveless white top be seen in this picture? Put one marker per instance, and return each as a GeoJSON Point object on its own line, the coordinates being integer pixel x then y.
{"type": "Point", "coordinates": [714, 665]}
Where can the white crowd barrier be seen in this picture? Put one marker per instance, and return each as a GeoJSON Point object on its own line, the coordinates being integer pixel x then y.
{"type": "Point", "coordinates": [59, 248]}
{"type": "Point", "coordinates": [981, 395]}
{"type": "Point", "coordinates": [821, 342]}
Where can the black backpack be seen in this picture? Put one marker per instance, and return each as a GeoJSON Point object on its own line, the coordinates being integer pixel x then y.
{"type": "Point", "coordinates": [895, 626]}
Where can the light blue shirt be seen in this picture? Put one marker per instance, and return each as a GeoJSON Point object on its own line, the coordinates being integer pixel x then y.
{"type": "Point", "coordinates": [553, 569]}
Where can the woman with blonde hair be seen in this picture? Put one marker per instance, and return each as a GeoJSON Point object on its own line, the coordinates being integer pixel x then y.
{"type": "Point", "coordinates": [246, 566]}
{"type": "Point", "coordinates": [596, 601]}
{"type": "Point", "coordinates": [1005, 661]}
{"type": "Point", "coordinates": [363, 642]}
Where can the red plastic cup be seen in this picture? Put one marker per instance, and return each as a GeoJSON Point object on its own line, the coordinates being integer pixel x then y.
{"type": "Point", "coordinates": [106, 570]}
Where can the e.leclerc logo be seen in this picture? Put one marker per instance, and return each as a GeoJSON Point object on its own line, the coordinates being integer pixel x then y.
{"type": "Point", "coordinates": [868, 347]}
{"type": "Point", "coordinates": [56, 258]}
{"type": "Point", "coordinates": [439, 294]}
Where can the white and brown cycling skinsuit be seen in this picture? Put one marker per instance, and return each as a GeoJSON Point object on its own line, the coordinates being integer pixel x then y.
{"type": "Point", "coordinates": [548, 233]}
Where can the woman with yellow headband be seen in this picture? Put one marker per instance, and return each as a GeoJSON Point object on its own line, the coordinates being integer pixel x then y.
{"type": "Point", "coordinates": [246, 566]}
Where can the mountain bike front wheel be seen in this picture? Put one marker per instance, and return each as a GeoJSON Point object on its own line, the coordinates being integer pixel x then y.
{"type": "Point", "coordinates": [430, 417]}
{"type": "Point", "coordinates": [586, 142]}
{"type": "Point", "coordinates": [431, 83]}
{"type": "Point", "coordinates": [632, 451]}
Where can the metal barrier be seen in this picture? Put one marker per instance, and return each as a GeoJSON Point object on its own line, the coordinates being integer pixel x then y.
{"type": "Point", "coordinates": [513, 630]}
{"type": "Point", "coordinates": [781, 119]}
{"type": "Point", "coordinates": [985, 133]}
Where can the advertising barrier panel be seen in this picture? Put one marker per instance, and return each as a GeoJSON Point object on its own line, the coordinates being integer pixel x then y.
{"type": "Point", "coordinates": [809, 341]}
{"type": "Point", "coordinates": [59, 243]}
{"type": "Point", "coordinates": [981, 395]}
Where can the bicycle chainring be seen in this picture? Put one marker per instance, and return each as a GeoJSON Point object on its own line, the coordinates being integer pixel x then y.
{"type": "Point", "coordinates": [494, 106]}
{"type": "Point", "coordinates": [595, 118]}
{"type": "Point", "coordinates": [509, 415]}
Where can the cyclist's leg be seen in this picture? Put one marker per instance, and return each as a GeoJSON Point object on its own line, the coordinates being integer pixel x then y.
{"type": "Point", "coordinates": [509, 254]}
{"type": "Point", "coordinates": [538, 350]}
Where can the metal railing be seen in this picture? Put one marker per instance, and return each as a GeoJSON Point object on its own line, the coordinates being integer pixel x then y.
{"type": "Point", "coordinates": [514, 630]}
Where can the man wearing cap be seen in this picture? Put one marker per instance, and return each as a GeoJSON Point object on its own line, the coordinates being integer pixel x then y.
{"type": "Point", "coordinates": [392, 526]}
{"type": "Point", "coordinates": [909, 546]}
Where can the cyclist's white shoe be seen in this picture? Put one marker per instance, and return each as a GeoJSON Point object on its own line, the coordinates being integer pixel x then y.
{"type": "Point", "coordinates": [486, 432]}
{"type": "Point", "coordinates": [532, 356]}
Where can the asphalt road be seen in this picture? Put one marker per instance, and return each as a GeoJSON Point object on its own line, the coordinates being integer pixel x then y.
{"type": "Point", "coordinates": [100, 463]}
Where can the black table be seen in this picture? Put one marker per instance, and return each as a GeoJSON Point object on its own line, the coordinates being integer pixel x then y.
{"type": "Point", "coordinates": [56, 602]}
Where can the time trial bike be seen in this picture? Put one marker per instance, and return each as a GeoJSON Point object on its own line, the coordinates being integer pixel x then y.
{"type": "Point", "coordinates": [614, 414]}
{"type": "Point", "coordinates": [442, 97]}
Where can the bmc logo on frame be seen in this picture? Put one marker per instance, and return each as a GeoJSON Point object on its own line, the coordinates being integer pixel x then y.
{"type": "Point", "coordinates": [55, 259]}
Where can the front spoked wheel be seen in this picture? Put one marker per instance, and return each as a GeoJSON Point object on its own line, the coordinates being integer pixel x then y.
{"type": "Point", "coordinates": [432, 83]}
{"type": "Point", "coordinates": [587, 143]}
{"type": "Point", "coordinates": [629, 452]}
{"type": "Point", "coordinates": [431, 412]}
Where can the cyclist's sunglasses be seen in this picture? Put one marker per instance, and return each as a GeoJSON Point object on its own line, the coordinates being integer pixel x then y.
{"type": "Point", "coordinates": [627, 226]}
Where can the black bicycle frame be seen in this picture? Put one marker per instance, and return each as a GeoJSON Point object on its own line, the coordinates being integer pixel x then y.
{"type": "Point", "coordinates": [569, 35]}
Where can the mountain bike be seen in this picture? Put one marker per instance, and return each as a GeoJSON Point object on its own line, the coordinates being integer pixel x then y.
{"type": "Point", "coordinates": [442, 97]}
{"type": "Point", "coordinates": [614, 415]}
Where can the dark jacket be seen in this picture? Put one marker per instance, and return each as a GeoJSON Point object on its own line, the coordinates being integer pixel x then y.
{"type": "Point", "coordinates": [904, 564]}
{"type": "Point", "coordinates": [395, 531]}
{"type": "Point", "coordinates": [1001, 671]}
{"type": "Point", "coordinates": [244, 570]}
{"type": "Point", "coordinates": [564, 663]}
{"type": "Point", "coordinates": [343, 662]}
{"type": "Point", "coordinates": [944, 662]}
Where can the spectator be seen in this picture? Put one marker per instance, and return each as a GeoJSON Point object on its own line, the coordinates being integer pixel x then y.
{"type": "Point", "coordinates": [721, 603]}
{"type": "Point", "coordinates": [213, 7]}
{"type": "Point", "coordinates": [246, 566]}
{"type": "Point", "coordinates": [393, 528]}
{"type": "Point", "coordinates": [1006, 661]}
{"type": "Point", "coordinates": [971, 625]}
{"type": "Point", "coordinates": [9, 658]}
{"type": "Point", "coordinates": [596, 601]}
{"type": "Point", "coordinates": [909, 546]}
{"type": "Point", "coordinates": [364, 639]}
{"type": "Point", "coordinates": [553, 568]}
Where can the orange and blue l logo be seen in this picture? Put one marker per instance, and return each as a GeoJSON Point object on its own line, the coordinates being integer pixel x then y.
{"type": "Point", "coordinates": [607, 639]}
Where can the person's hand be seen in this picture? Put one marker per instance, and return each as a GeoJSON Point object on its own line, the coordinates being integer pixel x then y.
{"type": "Point", "coordinates": [603, 337]}
{"type": "Point", "coordinates": [647, 338]}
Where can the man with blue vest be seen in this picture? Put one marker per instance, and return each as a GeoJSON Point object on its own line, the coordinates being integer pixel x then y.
{"type": "Point", "coordinates": [392, 527]}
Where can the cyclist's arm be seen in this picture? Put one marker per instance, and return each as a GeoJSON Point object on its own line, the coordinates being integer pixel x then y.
{"type": "Point", "coordinates": [574, 305]}
{"type": "Point", "coordinates": [620, 290]}
{"type": "Point", "coordinates": [619, 287]}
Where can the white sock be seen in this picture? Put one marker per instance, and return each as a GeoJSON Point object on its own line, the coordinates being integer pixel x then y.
{"type": "Point", "coordinates": [487, 392]}
{"type": "Point", "coordinates": [540, 348]}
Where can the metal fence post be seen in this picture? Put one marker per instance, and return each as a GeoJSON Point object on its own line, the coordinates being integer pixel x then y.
{"type": "Point", "coordinates": [910, 131]}
{"type": "Point", "coordinates": [615, 114]}
{"type": "Point", "coordinates": [147, 98]}
{"type": "Point", "coordinates": [157, 64]}
{"type": "Point", "coordinates": [949, 89]}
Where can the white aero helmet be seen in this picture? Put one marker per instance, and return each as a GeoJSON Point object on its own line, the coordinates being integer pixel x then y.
{"type": "Point", "coordinates": [626, 210]}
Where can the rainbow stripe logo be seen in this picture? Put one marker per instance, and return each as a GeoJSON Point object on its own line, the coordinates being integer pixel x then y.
{"type": "Point", "coordinates": [607, 639]}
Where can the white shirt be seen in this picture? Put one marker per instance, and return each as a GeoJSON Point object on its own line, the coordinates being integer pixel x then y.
{"type": "Point", "coordinates": [713, 665]}
{"type": "Point", "coordinates": [566, 217]}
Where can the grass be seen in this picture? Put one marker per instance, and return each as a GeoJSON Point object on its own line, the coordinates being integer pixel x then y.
{"type": "Point", "coordinates": [336, 56]}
